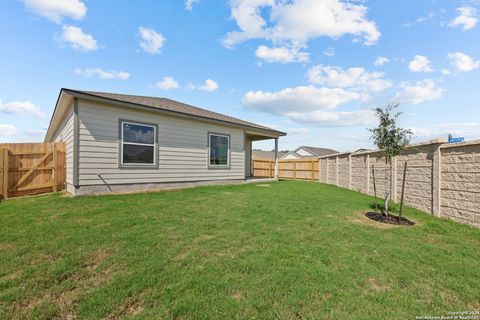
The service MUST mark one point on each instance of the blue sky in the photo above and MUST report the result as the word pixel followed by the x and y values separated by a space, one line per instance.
pixel 312 68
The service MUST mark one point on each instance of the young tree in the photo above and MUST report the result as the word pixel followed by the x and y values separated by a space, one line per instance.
pixel 389 138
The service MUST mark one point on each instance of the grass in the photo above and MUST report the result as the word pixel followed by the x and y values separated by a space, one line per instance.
pixel 285 250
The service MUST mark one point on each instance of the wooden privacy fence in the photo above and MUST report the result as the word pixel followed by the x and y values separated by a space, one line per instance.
pixel 305 169
pixel 31 168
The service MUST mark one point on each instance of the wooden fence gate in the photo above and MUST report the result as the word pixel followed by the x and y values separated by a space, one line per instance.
pixel 303 169
pixel 31 168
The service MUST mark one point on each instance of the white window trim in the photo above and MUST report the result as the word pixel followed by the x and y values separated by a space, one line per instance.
pixel 154 145
pixel 210 165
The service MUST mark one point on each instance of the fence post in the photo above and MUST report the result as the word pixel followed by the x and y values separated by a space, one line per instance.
pixel 437 181
pixel 327 170
pixel 5 173
pixel 294 170
pixel 313 161
pixel 54 167
pixel 350 171
pixel 319 177
pixel 367 160
pixel 336 171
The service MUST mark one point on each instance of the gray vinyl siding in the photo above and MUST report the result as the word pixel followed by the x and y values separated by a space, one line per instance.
pixel 182 148
pixel 66 134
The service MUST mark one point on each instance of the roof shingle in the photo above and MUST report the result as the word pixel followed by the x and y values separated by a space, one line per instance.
pixel 173 106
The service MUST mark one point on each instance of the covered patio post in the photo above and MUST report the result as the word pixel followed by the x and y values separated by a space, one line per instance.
pixel 276 158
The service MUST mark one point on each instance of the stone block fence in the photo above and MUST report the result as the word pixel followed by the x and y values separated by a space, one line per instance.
pixel 442 179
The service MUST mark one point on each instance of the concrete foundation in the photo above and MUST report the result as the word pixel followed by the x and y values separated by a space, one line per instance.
pixel 142 187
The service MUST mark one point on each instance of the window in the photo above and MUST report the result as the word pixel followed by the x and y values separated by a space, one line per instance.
pixel 138 144
pixel 219 146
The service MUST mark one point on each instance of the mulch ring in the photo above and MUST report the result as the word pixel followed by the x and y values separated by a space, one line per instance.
pixel 377 216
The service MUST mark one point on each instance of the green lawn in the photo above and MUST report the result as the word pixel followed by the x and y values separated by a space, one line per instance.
pixel 285 250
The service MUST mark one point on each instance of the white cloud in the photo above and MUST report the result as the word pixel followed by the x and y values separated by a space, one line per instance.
pixel 354 78
pixel 57 10
pixel 294 23
pixel 302 98
pixel 462 62
pixel 381 61
pixel 308 104
pixel 167 83
pixel 36 133
pixel 8 131
pixel 21 108
pixel 189 4
pixel 467 18
pixel 329 52
pixel 102 74
pixel 445 71
pixel 297 131
pixel 281 54
pixel 152 41
pixel 421 91
pixel 420 64
pixel 421 19
pixel 335 118
pixel 209 86
pixel 78 39
pixel 316 104
pixel 469 130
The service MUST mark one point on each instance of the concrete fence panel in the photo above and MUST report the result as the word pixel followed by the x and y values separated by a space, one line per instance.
pixel 442 179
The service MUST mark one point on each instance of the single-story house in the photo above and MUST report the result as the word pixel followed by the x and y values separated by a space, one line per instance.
pixel 307 152
pixel 120 143
pixel 266 155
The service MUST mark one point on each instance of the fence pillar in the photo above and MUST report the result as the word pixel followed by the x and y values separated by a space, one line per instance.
pixel 437 181
pixel 319 170
pixel 336 170
pixel 350 171
pixel 367 162
pixel 327 171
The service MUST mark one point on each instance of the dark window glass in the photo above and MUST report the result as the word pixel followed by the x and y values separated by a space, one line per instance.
pixel 138 134
pixel 133 153
pixel 219 147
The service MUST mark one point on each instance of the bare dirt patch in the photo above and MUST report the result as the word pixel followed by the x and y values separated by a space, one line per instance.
pixel 4 246
pixel 237 296
pixel 375 285
pixel 45 257
pixel 10 276
pixel 131 307
pixel 264 185
pixel 97 258
pixel 360 218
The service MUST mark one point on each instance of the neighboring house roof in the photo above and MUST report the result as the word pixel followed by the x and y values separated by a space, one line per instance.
pixel 314 152
pixel 317 151
pixel 362 150
pixel 293 154
pixel 266 155
pixel 163 104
